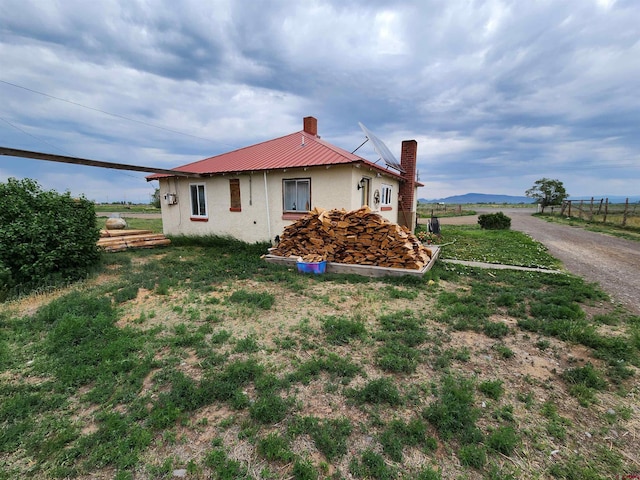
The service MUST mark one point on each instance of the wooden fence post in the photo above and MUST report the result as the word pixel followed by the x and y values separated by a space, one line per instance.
pixel 581 205
pixel 626 212
pixel 606 210
pixel 591 210
pixel 600 206
pixel 570 201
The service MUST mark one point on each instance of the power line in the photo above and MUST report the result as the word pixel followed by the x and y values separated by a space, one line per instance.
pixel 48 143
pixel 14 152
pixel 33 136
pixel 116 115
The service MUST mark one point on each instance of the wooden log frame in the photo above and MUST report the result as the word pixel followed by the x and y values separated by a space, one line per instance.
pixel 358 237
pixel 119 240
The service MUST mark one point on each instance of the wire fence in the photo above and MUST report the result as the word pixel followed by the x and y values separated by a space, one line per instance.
pixel 602 211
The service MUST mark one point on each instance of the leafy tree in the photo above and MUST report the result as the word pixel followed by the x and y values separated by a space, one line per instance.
pixel 155 198
pixel 547 192
pixel 46 238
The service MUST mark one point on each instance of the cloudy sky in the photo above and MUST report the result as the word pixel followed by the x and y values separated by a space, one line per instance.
pixel 498 93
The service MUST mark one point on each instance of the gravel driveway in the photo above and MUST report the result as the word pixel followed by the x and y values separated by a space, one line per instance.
pixel 612 262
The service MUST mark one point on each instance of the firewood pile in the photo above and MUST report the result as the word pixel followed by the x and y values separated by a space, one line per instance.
pixel 359 237
pixel 119 240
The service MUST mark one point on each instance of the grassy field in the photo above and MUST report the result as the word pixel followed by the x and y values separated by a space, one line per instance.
pixel 124 209
pixel 153 224
pixel 201 360
pixel 425 210
pixel 470 242
pixel 613 227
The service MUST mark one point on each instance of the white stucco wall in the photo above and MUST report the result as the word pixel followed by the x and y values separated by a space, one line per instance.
pixel 261 216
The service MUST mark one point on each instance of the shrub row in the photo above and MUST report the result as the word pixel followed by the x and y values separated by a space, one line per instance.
pixel 46 238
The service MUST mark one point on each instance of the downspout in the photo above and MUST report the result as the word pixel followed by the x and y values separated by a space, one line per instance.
pixel 266 196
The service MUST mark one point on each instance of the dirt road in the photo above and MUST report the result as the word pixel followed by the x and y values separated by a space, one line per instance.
pixel 613 263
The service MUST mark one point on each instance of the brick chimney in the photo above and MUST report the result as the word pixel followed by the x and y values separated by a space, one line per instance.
pixel 407 191
pixel 310 126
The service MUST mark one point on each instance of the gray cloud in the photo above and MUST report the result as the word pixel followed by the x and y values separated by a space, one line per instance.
pixel 498 93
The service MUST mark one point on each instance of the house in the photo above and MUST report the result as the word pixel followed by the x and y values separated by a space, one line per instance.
pixel 252 193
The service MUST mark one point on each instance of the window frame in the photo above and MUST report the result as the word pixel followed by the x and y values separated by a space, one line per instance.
pixel 197 215
pixel 297 180
pixel 386 197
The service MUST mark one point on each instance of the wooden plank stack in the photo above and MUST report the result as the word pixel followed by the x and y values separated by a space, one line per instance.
pixel 359 237
pixel 119 240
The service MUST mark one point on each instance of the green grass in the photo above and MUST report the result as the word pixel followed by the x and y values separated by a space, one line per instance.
pixel 613 226
pixel 371 465
pixel 425 210
pixel 340 330
pixel 275 447
pixel 493 389
pixel 153 224
pixel 399 434
pixel 453 413
pixel 261 300
pixel 330 436
pixel 313 377
pixel 123 209
pixel 379 391
pixel 507 247
pixel 504 440
pixel 474 456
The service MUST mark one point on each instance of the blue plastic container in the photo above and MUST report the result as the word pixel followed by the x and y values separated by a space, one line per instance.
pixel 312 267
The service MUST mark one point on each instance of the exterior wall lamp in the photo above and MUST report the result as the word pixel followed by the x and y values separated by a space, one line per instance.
pixel 361 183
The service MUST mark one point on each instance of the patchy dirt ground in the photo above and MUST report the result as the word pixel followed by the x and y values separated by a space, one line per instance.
pixel 532 374
pixel 611 262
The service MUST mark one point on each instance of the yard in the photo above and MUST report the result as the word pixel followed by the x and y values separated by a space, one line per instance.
pixel 202 361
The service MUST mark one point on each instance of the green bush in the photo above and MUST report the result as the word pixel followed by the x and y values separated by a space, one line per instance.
pixel 47 238
pixel 494 221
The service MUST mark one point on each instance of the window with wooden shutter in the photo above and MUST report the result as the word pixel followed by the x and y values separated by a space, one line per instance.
pixel 234 191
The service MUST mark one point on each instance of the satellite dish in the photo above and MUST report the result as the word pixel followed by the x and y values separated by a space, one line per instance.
pixel 382 150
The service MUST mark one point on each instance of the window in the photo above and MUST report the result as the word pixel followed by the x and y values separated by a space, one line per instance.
pixel 365 186
pixel 385 198
pixel 297 195
pixel 198 201
pixel 234 191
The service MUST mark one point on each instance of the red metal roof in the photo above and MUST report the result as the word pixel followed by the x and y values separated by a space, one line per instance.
pixel 299 149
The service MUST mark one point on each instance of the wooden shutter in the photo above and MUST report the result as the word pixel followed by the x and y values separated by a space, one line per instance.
pixel 234 191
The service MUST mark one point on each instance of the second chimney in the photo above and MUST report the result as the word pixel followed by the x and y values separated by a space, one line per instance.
pixel 407 204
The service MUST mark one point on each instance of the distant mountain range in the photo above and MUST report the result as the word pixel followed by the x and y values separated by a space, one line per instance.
pixel 490 198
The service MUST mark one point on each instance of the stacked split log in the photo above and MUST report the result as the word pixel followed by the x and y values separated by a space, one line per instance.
pixel 359 237
pixel 119 240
